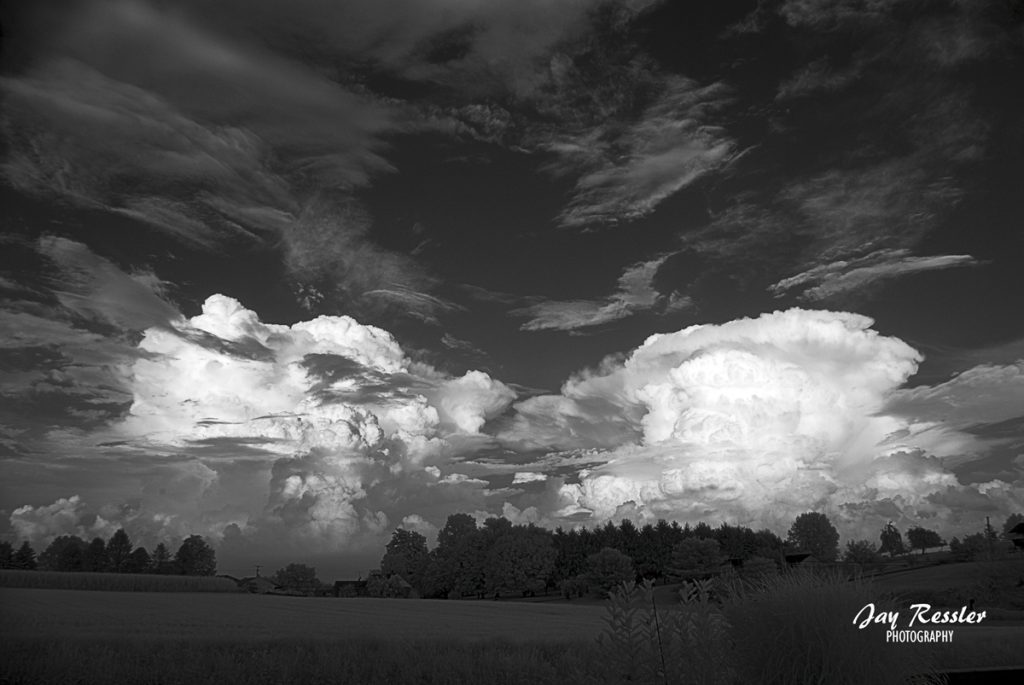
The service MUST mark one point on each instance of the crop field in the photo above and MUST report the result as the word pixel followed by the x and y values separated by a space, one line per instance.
pixel 67 614
pixel 100 637
pixel 117 582
pixel 142 637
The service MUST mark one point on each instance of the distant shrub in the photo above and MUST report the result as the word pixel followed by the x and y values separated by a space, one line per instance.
pixel 115 582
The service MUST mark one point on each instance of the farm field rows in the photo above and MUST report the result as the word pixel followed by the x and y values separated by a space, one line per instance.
pixel 69 614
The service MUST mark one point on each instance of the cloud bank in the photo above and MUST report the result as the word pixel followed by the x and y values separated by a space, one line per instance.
pixel 324 435
pixel 755 421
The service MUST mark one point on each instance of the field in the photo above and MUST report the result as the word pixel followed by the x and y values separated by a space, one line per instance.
pixel 68 614
pixel 140 637
pixel 55 635
pixel 991 584
pixel 118 582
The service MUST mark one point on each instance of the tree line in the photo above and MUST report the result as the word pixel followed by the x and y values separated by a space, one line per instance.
pixel 502 559
pixel 498 558
pixel 70 553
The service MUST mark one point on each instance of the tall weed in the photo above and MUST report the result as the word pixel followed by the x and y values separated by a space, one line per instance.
pixel 798 628
pixel 683 643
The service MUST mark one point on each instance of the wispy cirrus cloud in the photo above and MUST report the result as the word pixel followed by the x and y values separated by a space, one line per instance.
pixel 636 293
pixel 841 277
pixel 627 168
pixel 210 138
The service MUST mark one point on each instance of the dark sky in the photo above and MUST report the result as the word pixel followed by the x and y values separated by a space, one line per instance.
pixel 292 274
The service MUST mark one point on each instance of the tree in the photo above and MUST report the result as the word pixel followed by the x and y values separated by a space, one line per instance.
pixel 139 561
pixel 406 555
pixel 161 560
pixel 972 547
pixel 892 540
pixel 195 557
pixel 695 557
pixel 118 550
pixel 456 565
pixel 6 554
pixel 813 532
pixel 923 538
pixel 297 577
pixel 860 552
pixel 65 553
pixel 24 558
pixel 94 558
pixel 520 560
pixel 457 530
pixel 608 569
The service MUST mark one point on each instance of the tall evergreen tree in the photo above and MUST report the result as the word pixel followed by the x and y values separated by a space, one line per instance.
pixel 25 557
pixel 118 550
pixel 161 560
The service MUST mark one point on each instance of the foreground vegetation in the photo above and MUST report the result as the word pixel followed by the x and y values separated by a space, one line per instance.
pixel 781 628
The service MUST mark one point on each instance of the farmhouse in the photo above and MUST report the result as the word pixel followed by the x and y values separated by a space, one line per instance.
pixel 801 559
pixel 1016 535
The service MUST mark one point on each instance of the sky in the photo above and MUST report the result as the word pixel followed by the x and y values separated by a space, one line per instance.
pixel 291 275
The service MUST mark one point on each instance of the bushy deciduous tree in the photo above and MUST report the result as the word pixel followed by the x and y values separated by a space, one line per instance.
pixel 972 547
pixel 455 568
pixel 65 553
pixel 923 538
pixel 608 569
pixel 695 557
pixel 139 561
pixel 406 556
pixel 94 558
pixel 6 554
pixel 813 532
pixel 519 561
pixel 195 557
pixel 297 577
pixel 860 552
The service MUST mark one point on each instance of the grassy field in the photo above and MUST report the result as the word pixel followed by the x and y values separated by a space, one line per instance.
pixel 992 584
pixel 50 636
pixel 117 582
pixel 69 614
